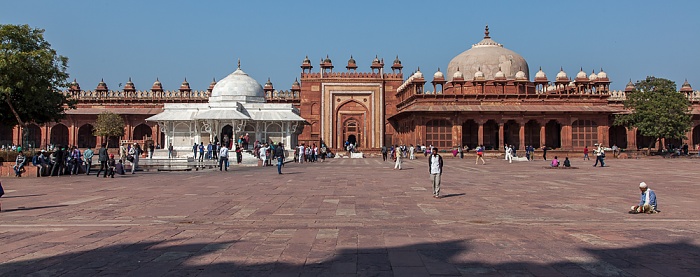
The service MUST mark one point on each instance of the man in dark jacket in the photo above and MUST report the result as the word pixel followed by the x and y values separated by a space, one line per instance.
pixel 435 168
pixel 279 154
pixel 59 161
pixel 102 158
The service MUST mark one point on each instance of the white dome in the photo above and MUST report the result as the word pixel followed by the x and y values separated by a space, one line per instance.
pixel 458 74
pixel 593 76
pixel 602 74
pixel 581 75
pixel 438 75
pixel 499 74
pixel 478 74
pixel 491 57
pixel 418 75
pixel 237 86
pixel 540 74
pixel 561 75
pixel 520 75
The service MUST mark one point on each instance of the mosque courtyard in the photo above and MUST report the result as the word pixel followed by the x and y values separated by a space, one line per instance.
pixel 358 217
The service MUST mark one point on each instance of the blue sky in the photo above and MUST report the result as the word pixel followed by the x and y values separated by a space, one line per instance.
pixel 201 40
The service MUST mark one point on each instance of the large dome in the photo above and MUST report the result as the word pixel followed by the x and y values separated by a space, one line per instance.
pixel 237 86
pixel 489 57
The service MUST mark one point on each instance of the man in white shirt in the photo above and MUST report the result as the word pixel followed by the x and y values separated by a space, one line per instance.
pixel 435 167
pixel 223 157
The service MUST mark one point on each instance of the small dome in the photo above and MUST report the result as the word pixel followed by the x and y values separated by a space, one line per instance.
pixel 418 74
pixel 602 74
pixel 351 60
pixel 237 86
pixel 540 74
pixel 306 60
pixel 686 87
pixel 499 75
pixel 561 74
pixel 157 83
pixel 581 75
pixel 376 59
pixel 296 83
pixel 185 83
pixel 268 84
pixel 397 61
pixel 478 74
pixel 438 75
pixel 593 76
pixel 458 74
pixel 327 60
pixel 520 75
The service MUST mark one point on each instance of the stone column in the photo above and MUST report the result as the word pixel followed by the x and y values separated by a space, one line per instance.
pixel 456 132
pixel 631 138
pixel 543 134
pixel 522 136
pixel 480 133
pixel 500 135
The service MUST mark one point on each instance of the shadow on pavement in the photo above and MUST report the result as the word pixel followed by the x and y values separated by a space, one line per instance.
pixel 28 195
pixel 32 208
pixel 452 195
pixel 168 258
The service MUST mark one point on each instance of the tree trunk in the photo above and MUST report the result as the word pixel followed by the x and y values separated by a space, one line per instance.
pixel 651 144
pixel 21 123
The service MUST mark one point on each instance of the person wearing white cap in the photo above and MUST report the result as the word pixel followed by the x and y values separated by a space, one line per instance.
pixel 647 203
pixel 600 155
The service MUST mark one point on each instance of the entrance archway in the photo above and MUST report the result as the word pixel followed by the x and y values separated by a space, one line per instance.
pixel 86 137
pixel 532 133
pixel 351 131
pixel 142 132
pixel 511 133
pixel 227 138
pixel 470 134
pixel 59 135
pixel 491 135
pixel 618 136
pixel 552 131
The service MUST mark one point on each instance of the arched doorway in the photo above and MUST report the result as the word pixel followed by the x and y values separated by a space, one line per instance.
pixel 470 134
pixel 34 135
pixel 618 136
pixel 142 132
pixel 532 133
pixel 491 135
pixel 273 133
pixel 227 138
pixel 552 134
pixel 351 131
pixel 181 136
pixel 59 135
pixel 644 141
pixel 511 133
pixel 86 137
pixel 5 134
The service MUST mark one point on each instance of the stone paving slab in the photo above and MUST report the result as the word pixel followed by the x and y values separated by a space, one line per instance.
pixel 357 217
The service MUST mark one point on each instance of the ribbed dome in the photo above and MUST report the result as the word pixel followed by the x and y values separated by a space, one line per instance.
pixel 490 56
pixel 593 76
pixel 237 86
pixel 581 74
pixel 602 74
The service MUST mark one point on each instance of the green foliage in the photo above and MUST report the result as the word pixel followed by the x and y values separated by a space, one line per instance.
pixel 31 76
pixel 657 109
pixel 109 125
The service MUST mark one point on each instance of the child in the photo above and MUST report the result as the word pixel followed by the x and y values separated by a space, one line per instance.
pixel 555 162
pixel 111 164
pixel 567 163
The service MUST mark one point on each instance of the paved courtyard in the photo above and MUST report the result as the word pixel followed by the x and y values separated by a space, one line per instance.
pixel 357 217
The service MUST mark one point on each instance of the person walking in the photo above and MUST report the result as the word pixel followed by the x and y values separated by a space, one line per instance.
pixel 134 152
pixel 544 152
pixel 88 159
pixel 585 153
pixel 279 154
pixel 509 153
pixel 122 153
pixel 435 168
pixel 151 150
pixel 384 153
pixel 411 152
pixel 599 155
pixel 223 157
pixel 201 151
pixel 170 151
pixel 480 155
pixel 397 157
pixel 102 158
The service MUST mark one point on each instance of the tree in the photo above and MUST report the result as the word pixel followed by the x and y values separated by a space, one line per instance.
pixel 31 75
pixel 109 125
pixel 657 110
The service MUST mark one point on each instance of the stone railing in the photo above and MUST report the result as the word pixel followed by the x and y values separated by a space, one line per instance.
pixel 147 95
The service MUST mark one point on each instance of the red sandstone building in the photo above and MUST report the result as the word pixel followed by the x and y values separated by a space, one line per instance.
pixel 486 98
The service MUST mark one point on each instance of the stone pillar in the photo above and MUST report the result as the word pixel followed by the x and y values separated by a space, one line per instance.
pixel 521 136
pixel 480 133
pixel 566 137
pixel 456 134
pixel 500 135
pixel 604 133
pixel 72 133
pixel 543 138
pixel 631 138
pixel 17 135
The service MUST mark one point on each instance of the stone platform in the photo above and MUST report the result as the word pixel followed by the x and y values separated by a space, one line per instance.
pixel 357 217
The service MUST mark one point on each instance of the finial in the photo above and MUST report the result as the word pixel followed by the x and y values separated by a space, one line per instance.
pixel 582 68
pixel 419 68
pixel 185 79
pixel 157 79
pixel 601 69
pixel 561 68
pixel 239 63
pixel 486 32
pixel 540 68
pixel 438 69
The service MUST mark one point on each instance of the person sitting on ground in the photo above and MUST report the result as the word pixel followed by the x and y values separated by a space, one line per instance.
pixel 567 163
pixel 647 203
pixel 555 162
